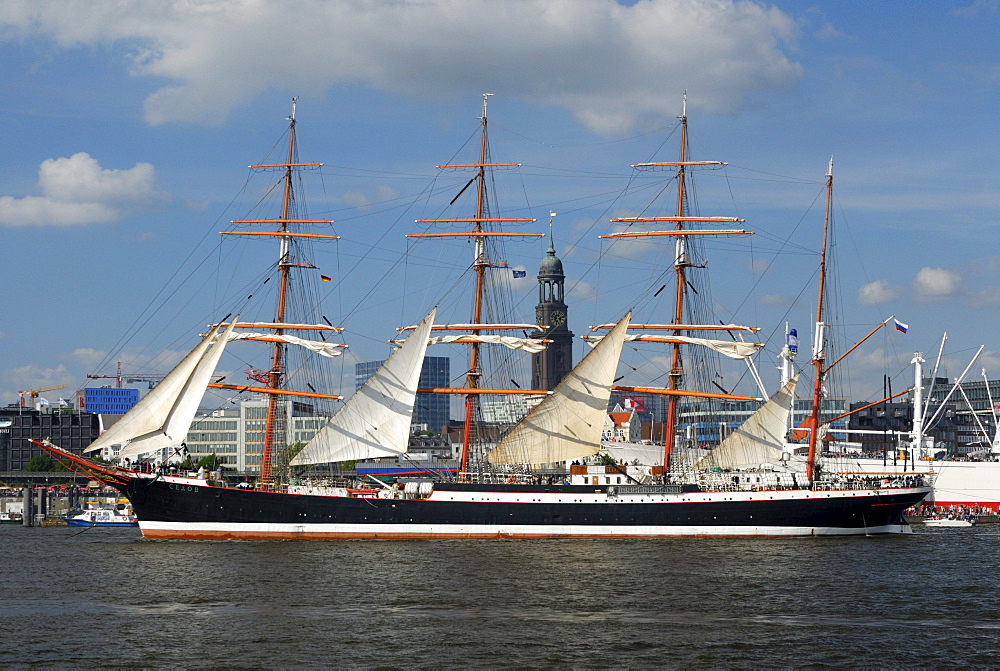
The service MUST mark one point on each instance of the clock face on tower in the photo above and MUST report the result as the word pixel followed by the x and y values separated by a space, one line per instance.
pixel 557 319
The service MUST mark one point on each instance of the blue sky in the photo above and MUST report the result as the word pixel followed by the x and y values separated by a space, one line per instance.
pixel 128 128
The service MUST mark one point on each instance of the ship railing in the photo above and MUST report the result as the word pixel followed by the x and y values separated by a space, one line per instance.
pixel 873 482
pixel 497 478
pixel 751 481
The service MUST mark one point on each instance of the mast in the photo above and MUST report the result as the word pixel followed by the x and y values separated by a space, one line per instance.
pixel 275 377
pixel 917 439
pixel 682 262
pixel 481 263
pixel 680 268
pixel 276 374
pixel 819 337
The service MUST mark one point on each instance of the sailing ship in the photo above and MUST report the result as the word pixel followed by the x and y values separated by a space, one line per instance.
pixel 495 494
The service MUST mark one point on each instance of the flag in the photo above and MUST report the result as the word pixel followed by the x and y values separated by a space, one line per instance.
pixel 900 326
pixel 63 403
pixel 43 401
pixel 792 341
pixel 634 403
pixel 520 273
pixel 325 278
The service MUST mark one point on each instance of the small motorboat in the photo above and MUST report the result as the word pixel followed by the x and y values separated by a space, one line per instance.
pixel 103 515
pixel 947 522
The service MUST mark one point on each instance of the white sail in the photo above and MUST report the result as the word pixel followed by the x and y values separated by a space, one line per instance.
pixel 375 421
pixel 759 440
pixel 164 415
pixel 322 348
pixel 530 345
pixel 568 423
pixel 734 349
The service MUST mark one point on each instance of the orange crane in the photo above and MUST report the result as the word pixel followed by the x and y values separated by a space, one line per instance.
pixel 32 394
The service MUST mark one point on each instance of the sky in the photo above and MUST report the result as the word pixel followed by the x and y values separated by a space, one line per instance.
pixel 128 128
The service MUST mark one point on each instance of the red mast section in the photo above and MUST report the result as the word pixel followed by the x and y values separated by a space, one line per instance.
pixel 681 263
pixel 480 264
pixel 275 376
pixel 819 337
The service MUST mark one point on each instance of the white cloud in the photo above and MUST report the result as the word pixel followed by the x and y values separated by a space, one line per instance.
pixel 778 299
pixel 32 376
pixel 77 191
pixel 984 298
pixel 878 292
pixel 935 284
pixel 86 356
pixel 874 358
pixel 375 195
pixel 612 65
pixel 580 291
pixel 989 360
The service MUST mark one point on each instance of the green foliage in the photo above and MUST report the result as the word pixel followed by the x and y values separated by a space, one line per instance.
pixel 40 463
pixel 211 462
pixel 283 459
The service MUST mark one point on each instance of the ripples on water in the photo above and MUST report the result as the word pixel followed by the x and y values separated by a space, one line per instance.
pixel 105 597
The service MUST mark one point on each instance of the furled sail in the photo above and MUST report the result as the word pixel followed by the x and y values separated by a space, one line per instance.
pixel 530 345
pixel 375 421
pixel 322 348
pixel 733 349
pixel 163 417
pixel 568 423
pixel 760 439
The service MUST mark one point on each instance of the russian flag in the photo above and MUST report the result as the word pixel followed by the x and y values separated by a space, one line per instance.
pixel 900 326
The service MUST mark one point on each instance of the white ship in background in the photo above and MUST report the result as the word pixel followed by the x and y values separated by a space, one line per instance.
pixel 957 481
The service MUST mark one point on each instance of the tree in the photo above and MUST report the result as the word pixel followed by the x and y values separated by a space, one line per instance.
pixel 210 462
pixel 43 463
pixel 283 459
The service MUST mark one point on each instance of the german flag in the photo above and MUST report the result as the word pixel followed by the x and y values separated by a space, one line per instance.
pixel 325 278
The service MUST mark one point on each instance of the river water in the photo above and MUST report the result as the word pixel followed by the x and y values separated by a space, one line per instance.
pixel 108 598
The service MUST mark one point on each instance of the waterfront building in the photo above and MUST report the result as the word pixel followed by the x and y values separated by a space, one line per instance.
pixel 236 435
pixel 621 426
pixel 69 429
pixel 431 410
pixel 705 422
pixel 964 427
pixel 108 400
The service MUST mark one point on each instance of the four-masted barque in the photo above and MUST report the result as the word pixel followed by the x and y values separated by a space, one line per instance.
pixel 495 497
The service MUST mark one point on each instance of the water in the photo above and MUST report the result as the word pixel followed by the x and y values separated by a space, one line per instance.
pixel 105 597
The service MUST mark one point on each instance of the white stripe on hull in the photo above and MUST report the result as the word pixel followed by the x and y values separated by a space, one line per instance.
pixel 222 531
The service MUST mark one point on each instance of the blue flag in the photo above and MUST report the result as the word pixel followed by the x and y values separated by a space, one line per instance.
pixel 792 341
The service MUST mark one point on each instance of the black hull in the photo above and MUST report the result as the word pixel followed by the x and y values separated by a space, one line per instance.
pixel 194 509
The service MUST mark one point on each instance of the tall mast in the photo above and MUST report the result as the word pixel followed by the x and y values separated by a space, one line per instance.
pixel 681 263
pixel 680 267
pixel 275 377
pixel 284 263
pixel 479 265
pixel 819 337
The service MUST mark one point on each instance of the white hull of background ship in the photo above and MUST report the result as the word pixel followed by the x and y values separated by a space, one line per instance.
pixel 498 499
pixel 972 483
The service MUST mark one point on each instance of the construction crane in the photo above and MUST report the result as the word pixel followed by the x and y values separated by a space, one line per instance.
pixel 128 377
pixel 32 394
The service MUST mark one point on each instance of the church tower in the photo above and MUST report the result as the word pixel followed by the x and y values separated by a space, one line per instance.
pixel 550 366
